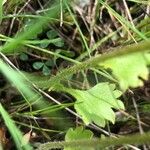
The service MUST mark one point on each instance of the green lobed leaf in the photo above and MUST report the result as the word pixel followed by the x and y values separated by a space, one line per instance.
pixel 59 43
pixel 24 57
pixel 44 45
pixel 51 34
pixel 46 71
pixel 49 63
pixel 38 65
pixel 129 69
pixel 95 105
pixel 78 134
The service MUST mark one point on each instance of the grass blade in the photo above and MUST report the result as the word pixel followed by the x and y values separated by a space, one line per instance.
pixel 16 134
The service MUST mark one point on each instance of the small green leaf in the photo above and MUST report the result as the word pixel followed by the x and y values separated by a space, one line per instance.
pixel 49 63
pixel 44 45
pixel 46 70
pixel 95 105
pixel 59 43
pixel 38 65
pixel 52 34
pixel 77 134
pixel 24 57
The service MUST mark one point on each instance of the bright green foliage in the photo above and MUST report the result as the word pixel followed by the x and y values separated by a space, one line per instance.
pixel 127 69
pixel 95 105
pixel 78 134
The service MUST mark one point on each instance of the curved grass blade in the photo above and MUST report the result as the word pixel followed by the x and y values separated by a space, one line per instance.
pixel 15 132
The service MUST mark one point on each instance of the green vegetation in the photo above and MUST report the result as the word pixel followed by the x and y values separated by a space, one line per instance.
pixel 74 74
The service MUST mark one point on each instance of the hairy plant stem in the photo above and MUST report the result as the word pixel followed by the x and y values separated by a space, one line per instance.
pixel 96 143
pixel 95 61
